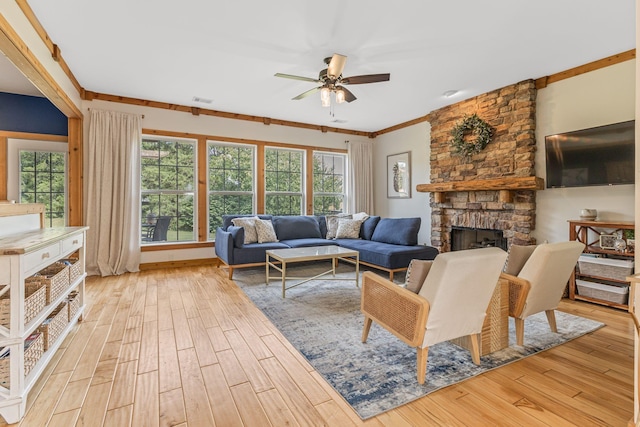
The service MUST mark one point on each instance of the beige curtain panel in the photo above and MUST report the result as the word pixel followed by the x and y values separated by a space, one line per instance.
pixel 113 193
pixel 361 177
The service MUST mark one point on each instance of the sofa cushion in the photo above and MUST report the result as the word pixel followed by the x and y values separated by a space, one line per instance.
pixel 303 243
pixel 348 228
pixel 265 231
pixel 322 222
pixel 368 227
pixel 255 252
pixel 398 231
pixel 388 255
pixel 237 234
pixel 248 223
pixel 296 227
pixel 226 219
pixel 332 224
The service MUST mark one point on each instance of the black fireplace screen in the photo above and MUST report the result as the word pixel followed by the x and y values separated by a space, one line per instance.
pixel 474 238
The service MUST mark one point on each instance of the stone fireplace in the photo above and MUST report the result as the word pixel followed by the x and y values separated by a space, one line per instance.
pixel 493 190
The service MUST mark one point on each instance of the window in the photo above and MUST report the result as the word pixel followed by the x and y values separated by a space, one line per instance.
pixel 284 183
pixel 328 183
pixel 43 179
pixel 231 181
pixel 167 190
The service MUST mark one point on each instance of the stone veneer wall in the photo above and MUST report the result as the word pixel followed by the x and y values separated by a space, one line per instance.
pixel 511 152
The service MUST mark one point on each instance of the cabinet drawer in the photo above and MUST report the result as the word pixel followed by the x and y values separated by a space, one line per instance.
pixel 72 243
pixel 39 259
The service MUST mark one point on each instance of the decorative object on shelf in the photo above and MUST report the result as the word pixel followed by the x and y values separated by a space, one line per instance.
pixel 474 125
pixel 608 241
pixel 399 176
pixel 588 214
pixel 620 244
pixel 631 245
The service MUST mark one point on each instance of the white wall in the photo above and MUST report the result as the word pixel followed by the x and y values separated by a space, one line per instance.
pixel 597 98
pixel 417 140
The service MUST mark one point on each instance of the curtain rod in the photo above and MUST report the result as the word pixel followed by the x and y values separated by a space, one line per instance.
pixel 89 109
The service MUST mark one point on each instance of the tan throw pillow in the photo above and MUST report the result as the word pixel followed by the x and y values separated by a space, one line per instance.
pixel 360 215
pixel 332 224
pixel 348 228
pixel 265 231
pixel 517 258
pixel 248 223
pixel 416 274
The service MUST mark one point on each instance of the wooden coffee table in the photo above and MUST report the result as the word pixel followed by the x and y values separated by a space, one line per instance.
pixel 311 253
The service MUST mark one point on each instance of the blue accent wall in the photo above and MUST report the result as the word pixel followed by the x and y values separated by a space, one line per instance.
pixel 22 113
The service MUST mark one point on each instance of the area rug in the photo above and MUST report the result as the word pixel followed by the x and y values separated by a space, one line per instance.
pixel 322 319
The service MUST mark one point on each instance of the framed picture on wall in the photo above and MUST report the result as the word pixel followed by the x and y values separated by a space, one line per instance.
pixel 399 176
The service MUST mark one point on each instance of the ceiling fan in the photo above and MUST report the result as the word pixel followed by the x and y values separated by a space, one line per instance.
pixel 331 80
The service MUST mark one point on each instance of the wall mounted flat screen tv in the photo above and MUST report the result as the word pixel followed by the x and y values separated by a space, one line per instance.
pixel 603 155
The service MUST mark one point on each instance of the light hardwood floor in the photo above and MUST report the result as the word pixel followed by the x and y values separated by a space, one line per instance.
pixel 185 347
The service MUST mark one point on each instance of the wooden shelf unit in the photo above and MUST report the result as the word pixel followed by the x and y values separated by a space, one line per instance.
pixel 581 230
pixel 25 249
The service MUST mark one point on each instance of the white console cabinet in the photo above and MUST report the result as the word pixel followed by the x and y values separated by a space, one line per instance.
pixel 25 249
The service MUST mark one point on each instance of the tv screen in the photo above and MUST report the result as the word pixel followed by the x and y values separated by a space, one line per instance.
pixel 598 156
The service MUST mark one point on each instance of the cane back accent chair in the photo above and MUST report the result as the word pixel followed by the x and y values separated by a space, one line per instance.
pixel 451 303
pixel 541 282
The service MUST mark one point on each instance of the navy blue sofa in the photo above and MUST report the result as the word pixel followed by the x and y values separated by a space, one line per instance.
pixel 387 244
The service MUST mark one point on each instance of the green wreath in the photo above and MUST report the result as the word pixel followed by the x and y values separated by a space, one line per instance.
pixel 481 130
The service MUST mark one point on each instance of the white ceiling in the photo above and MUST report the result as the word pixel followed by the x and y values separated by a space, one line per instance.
pixel 229 51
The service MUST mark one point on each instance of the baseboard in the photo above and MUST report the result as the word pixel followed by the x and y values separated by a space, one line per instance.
pixel 181 263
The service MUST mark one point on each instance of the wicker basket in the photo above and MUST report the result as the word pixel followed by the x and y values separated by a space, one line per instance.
pixel 75 269
pixel 73 304
pixel 33 350
pixel 35 298
pixel 603 291
pixel 55 277
pixel 53 326
pixel 609 268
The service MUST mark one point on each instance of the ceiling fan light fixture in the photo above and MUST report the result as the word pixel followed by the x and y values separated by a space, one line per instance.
pixel 340 97
pixel 325 96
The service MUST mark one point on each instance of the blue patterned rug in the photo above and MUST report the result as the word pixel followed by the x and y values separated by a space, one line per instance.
pixel 322 319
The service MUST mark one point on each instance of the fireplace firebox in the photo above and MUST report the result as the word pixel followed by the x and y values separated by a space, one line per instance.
pixel 474 238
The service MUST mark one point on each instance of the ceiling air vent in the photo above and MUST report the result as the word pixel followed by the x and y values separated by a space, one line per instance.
pixel 203 100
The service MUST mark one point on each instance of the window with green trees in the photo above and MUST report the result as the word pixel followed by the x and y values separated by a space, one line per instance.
pixel 328 183
pixel 284 181
pixel 43 179
pixel 231 181
pixel 168 184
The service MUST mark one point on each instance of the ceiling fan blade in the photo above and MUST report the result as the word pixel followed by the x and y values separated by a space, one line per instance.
pixel 348 96
pixel 336 65
pixel 307 93
pixel 304 79
pixel 368 78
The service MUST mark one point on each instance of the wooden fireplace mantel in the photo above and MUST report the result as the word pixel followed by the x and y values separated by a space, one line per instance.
pixel 504 185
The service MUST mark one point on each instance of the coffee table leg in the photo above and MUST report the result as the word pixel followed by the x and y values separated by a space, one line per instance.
pixel 357 270
pixel 266 266
pixel 284 276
